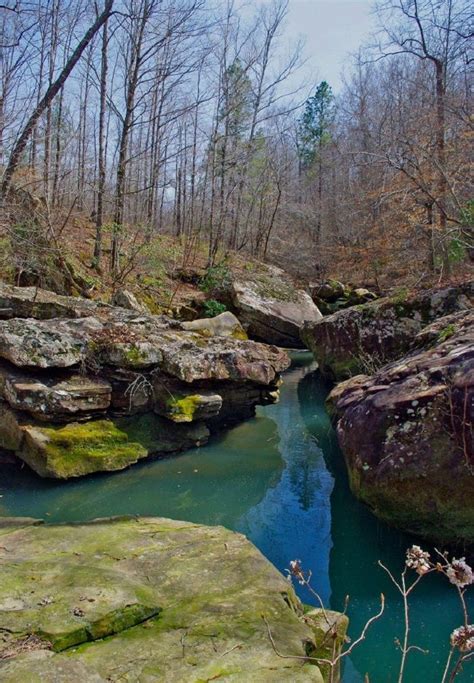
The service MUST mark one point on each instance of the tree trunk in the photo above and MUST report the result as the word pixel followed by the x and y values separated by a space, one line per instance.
pixel 49 96
pixel 99 219
pixel 441 158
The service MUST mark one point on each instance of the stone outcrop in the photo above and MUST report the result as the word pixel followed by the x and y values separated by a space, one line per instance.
pixel 332 296
pixel 223 325
pixel 407 434
pixel 150 599
pixel 73 370
pixel 33 302
pixel 272 309
pixel 362 338
pixel 126 299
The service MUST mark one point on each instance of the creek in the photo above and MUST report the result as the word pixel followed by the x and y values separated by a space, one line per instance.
pixel 279 478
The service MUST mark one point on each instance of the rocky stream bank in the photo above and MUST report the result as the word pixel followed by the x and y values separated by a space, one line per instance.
pixel 405 425
pixel 87 387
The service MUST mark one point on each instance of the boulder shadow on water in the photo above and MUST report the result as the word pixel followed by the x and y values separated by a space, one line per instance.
pixel 358 541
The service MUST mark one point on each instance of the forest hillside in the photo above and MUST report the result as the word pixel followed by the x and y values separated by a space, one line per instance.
pixel 139 130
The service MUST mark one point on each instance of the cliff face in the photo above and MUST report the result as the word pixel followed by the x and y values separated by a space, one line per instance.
pixel 406 432
pixel 364 337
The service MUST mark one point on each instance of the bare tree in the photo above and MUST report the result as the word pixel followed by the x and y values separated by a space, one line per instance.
pixel 439 33
pixel 49 96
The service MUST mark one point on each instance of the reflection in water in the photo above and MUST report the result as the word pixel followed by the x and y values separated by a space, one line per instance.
pixel 211 485
pixel 359 541
pixel 293 521
pixel 280 479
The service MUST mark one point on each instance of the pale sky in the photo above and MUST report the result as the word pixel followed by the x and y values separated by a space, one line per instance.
pixel 332 29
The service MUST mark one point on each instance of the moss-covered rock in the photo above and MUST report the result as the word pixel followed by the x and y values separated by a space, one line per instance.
pixel 79 448
pixel 272 309
pixel 189 407
pixel 147 599
pixel 330 630
pixel 95 361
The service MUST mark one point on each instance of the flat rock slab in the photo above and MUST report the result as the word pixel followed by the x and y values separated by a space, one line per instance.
pixel 33 302
pixel 145 600
pixel 60 398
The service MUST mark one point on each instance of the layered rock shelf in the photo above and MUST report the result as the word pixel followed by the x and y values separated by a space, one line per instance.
pixel 87 387
pixel 149 599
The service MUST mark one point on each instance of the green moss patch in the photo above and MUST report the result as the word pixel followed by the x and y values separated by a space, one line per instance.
pixel 183 409
pixel 90 590
pixel 79 448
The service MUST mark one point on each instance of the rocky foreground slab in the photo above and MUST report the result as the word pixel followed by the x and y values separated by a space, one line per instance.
pixel 147 599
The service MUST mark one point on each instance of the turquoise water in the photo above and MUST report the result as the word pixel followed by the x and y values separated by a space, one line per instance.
pixel 278 478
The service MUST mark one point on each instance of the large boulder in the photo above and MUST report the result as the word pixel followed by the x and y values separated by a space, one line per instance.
pixel 58 372
pixel 223 325
pixel 272 309
pixel 362 338
pixel 149 599
pixel 407 434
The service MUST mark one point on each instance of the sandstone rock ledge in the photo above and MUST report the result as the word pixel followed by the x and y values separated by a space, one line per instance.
pixel 147 599
pixel 86 387
pixel 272 309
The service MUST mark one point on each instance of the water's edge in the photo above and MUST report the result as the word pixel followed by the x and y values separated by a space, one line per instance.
pixel 280 479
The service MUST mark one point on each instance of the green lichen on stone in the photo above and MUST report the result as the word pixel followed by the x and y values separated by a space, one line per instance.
pixel 113 622
pixel 94 590
pixel 134 356
pixel 446 332
pixel 183 409
pixel 80 447
pixel 239 333
pixel 330 630
pixel 340 367
pixel 400 296
pixel 270 287
pixel 152 305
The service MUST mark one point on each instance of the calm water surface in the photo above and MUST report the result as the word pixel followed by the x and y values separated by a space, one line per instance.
pixel 279 479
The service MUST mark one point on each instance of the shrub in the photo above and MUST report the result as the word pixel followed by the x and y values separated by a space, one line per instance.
pixel 216 278
pixel 211 308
